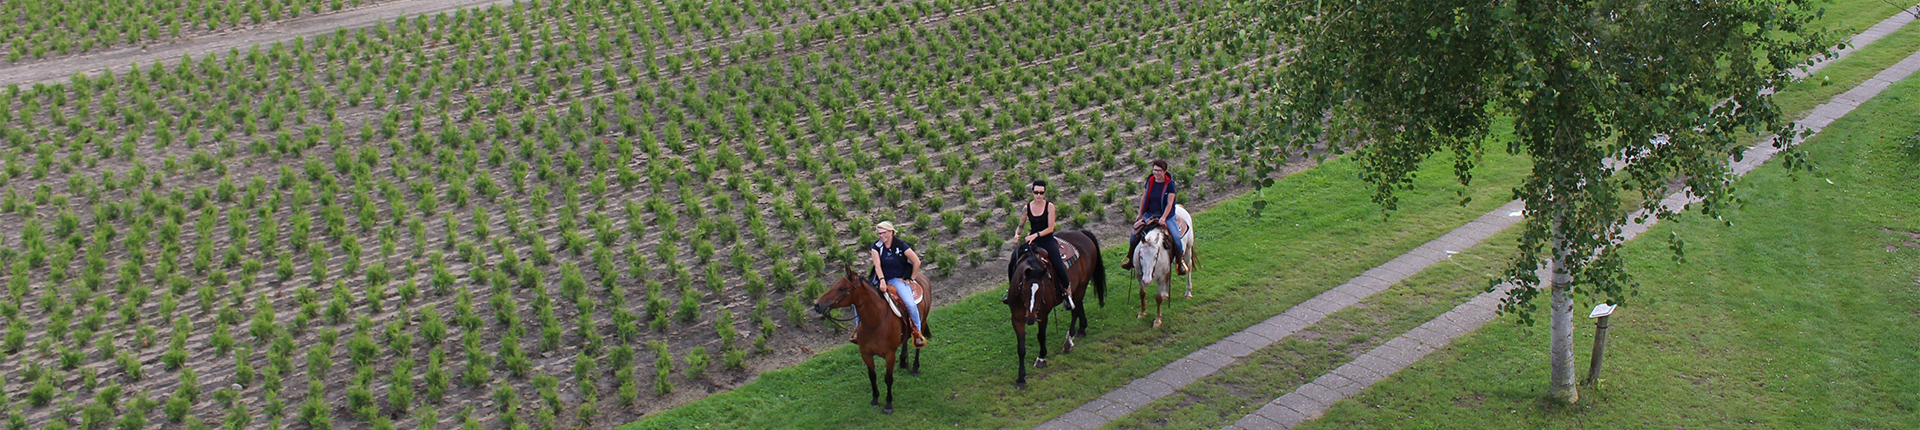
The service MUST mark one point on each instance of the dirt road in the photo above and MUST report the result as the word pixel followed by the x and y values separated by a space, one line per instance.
pixel 119 59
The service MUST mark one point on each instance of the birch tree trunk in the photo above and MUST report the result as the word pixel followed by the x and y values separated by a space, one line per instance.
pixel 1560 386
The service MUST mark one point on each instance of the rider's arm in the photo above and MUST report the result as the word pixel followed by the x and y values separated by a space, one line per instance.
pixel 876 266
pixel 1168 212
pixel 913 257
pixel 1050 223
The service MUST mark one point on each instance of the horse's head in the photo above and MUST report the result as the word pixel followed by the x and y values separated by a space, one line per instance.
pixel 1151 256
pixel 1027 277
pixel 840 294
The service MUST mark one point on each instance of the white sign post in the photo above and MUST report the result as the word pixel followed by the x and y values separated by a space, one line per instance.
pixel 1599 341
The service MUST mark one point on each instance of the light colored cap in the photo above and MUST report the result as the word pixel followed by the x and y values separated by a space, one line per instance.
pixel 886 225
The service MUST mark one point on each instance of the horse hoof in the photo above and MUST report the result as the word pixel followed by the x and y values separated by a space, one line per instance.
pixel 1020 385
pixel 1040 363
pixel 1189 295
pixel 1156 323
pixel 1142 315
pixel 873 403
pixel 1067 349
pixel 887 410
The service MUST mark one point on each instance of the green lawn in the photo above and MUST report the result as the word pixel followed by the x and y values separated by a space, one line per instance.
pixel 1320 230
pixel 1804 313
pixel 1863 63
pixel 1243 387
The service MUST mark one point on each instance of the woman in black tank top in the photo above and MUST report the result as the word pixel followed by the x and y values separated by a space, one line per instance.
pixel 1041 226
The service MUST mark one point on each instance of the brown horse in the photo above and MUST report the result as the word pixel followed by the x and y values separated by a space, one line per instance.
pixel 880 332
pixel 1032 293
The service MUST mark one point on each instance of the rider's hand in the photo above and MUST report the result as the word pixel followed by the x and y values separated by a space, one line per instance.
pixel 1029 238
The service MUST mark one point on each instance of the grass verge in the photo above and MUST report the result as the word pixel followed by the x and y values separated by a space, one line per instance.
pixel 1857 67
pixel 1797 316
pixel 1244 386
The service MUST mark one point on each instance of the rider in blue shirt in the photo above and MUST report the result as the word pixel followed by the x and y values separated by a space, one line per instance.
pixel 895 262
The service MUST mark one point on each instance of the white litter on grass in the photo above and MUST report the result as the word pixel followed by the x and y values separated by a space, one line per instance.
pixel 1516 213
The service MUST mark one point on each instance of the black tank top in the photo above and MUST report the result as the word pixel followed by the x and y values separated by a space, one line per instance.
pixel 1037 223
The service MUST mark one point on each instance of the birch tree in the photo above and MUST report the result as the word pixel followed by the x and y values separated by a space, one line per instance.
pixel 1616 103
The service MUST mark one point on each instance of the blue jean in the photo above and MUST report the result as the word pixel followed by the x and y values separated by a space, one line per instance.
pixel 906 293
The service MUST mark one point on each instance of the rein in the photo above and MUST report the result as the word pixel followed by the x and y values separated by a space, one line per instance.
pixel 835 321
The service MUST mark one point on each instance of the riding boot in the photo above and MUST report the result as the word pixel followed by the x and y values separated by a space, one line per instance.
pixel 919 341
pixel 1128 264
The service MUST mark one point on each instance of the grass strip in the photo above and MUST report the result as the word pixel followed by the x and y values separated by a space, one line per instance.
pixel 1797 316
pixel 1244 386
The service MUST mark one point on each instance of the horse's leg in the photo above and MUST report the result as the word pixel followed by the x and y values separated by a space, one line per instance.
pixel 888 409
pixel 1040 362
pixel 1071 317
pixel 1189 273
pixel 1189 279
pixel 905 348
pixel 1081 316
pixel 1020 337
pixel 1159 303
pixel 872 380
pixel 923 332
pixel 1143 302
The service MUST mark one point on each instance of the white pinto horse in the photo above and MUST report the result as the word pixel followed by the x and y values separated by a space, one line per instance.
pixel 1153 263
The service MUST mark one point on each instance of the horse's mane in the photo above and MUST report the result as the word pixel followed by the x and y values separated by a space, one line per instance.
pixel 1024 253
pixel 1013 260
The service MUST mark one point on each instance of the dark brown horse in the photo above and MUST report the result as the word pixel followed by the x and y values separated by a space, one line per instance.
pixel 1032 293
pixel 880 332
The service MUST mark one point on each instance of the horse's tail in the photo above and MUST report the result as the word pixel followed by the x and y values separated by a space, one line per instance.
pixel 1099 270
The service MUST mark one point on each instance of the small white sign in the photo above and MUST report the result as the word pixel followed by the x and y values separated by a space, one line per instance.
pixel 1602 310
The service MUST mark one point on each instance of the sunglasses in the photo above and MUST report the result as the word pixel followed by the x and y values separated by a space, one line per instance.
pixel 1039 192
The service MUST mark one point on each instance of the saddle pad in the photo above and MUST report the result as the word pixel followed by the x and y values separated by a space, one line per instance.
pixel 1068 254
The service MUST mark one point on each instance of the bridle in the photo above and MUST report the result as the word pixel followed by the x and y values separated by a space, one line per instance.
pixel 844 294
pixel 1031 292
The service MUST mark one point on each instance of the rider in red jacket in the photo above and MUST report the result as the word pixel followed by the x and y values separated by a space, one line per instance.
pixel 1156 206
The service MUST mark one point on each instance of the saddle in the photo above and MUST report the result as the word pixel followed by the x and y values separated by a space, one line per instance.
pixel 898 303
pixel 1165 244
pixel 1068 254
